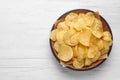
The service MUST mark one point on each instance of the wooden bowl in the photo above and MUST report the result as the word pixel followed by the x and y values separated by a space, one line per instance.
pixel 106 27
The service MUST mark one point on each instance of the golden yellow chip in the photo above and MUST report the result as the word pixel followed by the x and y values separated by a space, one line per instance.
pixel 97 28
pixel 106 47
pixel 80 53
pixel 75 51
pixel 67 37
pixel 65 52
pixel 60 34
pixel 53 35
pixel 84 37
pixel 56 46
pixel 107 36
pixel 62 26
pixel 69 19
pixel 96 57
pixel 78 64
pixel 74 38
pixel 89 19
pixel 79 23
pixel 92 51
pixel 100 44
pixel 88 62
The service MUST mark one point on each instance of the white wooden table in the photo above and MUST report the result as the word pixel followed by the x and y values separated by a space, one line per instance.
pixel 24 39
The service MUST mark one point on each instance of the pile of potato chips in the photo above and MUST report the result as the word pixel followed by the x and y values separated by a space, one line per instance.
pixel 80 39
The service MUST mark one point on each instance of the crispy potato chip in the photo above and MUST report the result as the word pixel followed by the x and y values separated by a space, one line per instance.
pixel 84 37
pixel 107 36
pixel 56 46
pixel 74 38
pixel 103 56
pixel 106 47
pixel 79 22
pixel 97 28
pixel 69 19
pixel 80 53
pixel 92 51
pixel 65 52
pixel 100 44
pixel 96 57
pixel 67 37
pixel 89 19
pixel 53 35
pixel 75 51
pixel 78 64
pixel 60 34
pixel 62 26
pixel 88 62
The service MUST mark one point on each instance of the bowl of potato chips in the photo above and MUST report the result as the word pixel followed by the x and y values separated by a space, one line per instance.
pixel 81 39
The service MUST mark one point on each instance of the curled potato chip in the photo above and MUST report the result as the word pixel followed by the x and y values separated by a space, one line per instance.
pixel 92 51
pixel 79 23
pixel 89 19
pixel 56 46
pixel 62 25
pixel 106 47
pixel 107 36
pixel 84 37
pixel 78 64
pixel 80 53
pixel 88 62
pixel 65 52
pixel 97 28
pixel 96 57
pixel 69 19
pixel 100 44
pixel 60 34
pixel 75 51
pixel 53 35
pixel 74 38
pixel 67 37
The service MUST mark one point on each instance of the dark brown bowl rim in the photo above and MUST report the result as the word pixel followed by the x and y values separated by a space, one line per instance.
pixel 50 41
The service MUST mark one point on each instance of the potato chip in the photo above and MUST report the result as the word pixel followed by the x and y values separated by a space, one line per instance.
pixel 106 47
pixel 96 57
pixel 60 34
pixel 56 46
pixel 78 64
pixel 107 36
pixel 75 51
pixel 80 53
pixel 67 37
pixel 97 28
pixel 84 37
pixel 100 44
pixel 69 19
pixel 92 51
pixel 62 26
pixel 81 20
pixel 65 52
pixel 103 56
pixel 53 35
pixel 89 19
pixel 74 38
pixel 79 23
pixel 88 62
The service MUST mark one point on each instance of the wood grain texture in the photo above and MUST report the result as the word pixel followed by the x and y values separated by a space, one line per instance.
pixel 24 39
